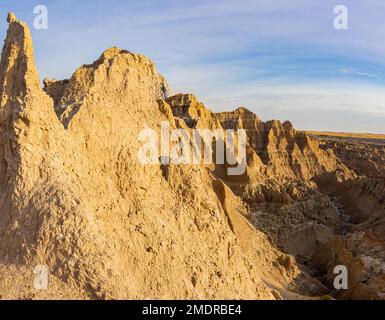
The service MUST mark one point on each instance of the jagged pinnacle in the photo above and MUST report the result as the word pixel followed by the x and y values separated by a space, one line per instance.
pixel 11 17
pixel 18 74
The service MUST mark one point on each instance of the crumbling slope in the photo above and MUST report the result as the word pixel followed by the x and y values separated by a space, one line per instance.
pixel 74 197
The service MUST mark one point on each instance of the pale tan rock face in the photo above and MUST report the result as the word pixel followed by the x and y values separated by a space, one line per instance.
pixel 274 149
pixel 284 152
pixel 75 198
pixel 340 221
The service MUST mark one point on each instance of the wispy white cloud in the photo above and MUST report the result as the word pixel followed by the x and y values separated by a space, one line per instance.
pixel 353 72
pixel 280 58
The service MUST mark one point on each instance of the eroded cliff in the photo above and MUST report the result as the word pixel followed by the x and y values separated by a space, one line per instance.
pixel 75 198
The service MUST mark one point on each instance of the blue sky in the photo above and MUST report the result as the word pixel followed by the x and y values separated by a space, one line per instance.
pixel 281 59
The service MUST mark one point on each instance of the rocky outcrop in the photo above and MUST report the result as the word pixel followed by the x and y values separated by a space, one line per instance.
pixel 364 156
pixel 75 199
pixel 277 188
pixel 309 200
pixel 274 149
pixel 284 152
pixel 363 255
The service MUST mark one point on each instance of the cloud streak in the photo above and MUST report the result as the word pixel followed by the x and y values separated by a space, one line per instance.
pixel 273 56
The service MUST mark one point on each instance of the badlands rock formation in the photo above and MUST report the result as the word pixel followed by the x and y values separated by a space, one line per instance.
pixel 75 199
pixel 361 202
pixel 364 156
